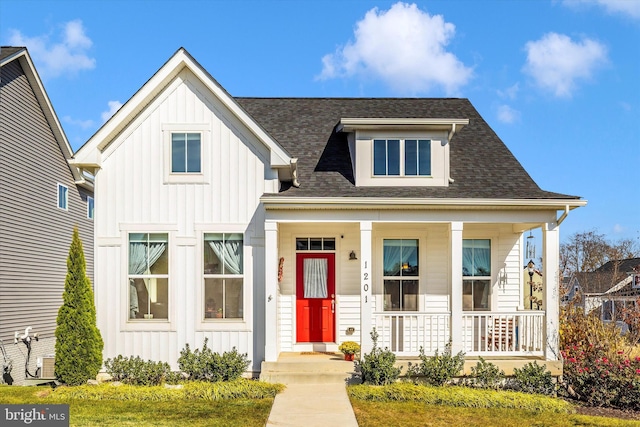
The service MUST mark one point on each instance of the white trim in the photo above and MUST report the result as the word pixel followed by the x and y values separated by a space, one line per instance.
pixel 351 124
pixel 66 197
pixel 202 177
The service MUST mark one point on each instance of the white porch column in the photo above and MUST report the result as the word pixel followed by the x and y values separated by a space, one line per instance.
pixel 456 287
pixel 551 272
pixel 272 346
pixel 366 304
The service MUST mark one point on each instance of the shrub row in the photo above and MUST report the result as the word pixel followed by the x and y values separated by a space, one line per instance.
pixel 198 365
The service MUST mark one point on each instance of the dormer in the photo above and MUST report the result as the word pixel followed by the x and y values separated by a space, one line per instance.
pixel 400 152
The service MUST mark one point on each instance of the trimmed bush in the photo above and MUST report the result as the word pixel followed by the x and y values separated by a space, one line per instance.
pixel 438 369
pixel 78 341
pixel 205 365
pixel 378 367
pixel 135 371
pixel 533 378
pixel 485 375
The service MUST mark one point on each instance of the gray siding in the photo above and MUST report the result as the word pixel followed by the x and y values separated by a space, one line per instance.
pixel 34 234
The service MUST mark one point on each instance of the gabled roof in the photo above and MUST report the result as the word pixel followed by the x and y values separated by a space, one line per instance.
pixel 88 154
pixel 482 167
pixel 11 53
pixel 613 274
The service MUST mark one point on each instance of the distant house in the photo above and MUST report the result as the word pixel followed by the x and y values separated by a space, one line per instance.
pixel 533 289
pixel 42 198
pixel 278 225
pixel 610 289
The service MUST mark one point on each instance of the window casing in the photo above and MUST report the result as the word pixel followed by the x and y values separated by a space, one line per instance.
pixel 63 197
pixel 476 274
pixel 90 207
pixel 402 157
pixel 400 274
pixel 223 276
pixel 148 276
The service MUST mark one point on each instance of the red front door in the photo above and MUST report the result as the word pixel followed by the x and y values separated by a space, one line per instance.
pixel 315 297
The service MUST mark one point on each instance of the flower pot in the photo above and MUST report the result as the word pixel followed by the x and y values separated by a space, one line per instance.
pixel 349 357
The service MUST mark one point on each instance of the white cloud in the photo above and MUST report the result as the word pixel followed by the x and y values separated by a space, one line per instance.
pixel 617 228
pixel 404 47
pixel 629 8
pixel 84 124
pixel 66 56
pixel 507 114
pixel 557 63
pixel 510 92
pixel 113 107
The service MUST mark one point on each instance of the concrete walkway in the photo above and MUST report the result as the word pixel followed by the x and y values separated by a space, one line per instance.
pixel 311 405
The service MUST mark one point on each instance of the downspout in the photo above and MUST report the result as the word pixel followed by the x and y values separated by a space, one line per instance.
pixel 563 216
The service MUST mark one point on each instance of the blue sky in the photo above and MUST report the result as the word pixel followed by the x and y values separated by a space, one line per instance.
pixel 557 80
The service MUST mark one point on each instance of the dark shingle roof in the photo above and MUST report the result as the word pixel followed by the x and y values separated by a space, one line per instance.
pixel 606 276
pixel 6 51
pixel 481 165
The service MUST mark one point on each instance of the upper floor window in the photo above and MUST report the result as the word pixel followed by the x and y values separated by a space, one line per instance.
pixel 148 275
pixel 476 272
pixel 186 153
pixel 90 207
pixel 401 157
pixel 223 275
pixel 400 274
pixel 63 197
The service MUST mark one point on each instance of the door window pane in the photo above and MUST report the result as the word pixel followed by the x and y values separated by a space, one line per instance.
pixel 315 277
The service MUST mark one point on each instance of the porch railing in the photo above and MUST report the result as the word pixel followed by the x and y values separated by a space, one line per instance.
pixel 504 333
pixel 405 332
pixel 519 333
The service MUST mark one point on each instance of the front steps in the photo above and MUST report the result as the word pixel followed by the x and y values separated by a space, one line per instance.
pixel 309 368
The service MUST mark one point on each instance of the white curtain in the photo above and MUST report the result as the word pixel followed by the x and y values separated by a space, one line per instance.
pixel 315 278
pixel 141 261
pixel 230 253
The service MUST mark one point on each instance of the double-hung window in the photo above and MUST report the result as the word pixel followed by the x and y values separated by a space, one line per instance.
pixel 223 275
pixel 476 272
pixel 186 152
pixel 400 274
pixel 401 157
pixel 63 197
pixel 148 276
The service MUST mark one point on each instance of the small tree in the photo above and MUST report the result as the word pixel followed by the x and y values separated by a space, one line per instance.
pixel 78 341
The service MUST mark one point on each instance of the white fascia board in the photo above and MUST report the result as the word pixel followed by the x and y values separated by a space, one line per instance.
pixel 44 101
pixel 352 124
pixel 407 203
pixel 181 59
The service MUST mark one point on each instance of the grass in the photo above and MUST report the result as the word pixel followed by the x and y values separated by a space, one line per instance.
pixel 408 405
pixel 199 405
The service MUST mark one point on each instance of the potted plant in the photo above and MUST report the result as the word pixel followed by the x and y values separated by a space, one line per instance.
pixel 219 313
pixel 349 349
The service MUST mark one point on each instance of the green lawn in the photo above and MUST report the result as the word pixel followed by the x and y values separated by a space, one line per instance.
pixel 178 412
pixel 417 414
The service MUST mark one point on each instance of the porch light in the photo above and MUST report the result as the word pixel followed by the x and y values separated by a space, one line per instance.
pixel 352 256
pixel 531 269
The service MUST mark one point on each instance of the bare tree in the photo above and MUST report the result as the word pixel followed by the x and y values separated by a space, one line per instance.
pixel 586 251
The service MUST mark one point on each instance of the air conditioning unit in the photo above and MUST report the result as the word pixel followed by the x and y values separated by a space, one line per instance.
pixel 47 366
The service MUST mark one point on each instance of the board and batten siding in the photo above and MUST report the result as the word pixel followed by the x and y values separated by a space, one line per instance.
pixel 134 197
pixel 34 233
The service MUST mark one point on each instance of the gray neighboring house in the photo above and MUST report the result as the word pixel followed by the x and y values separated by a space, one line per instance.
pixel 41 200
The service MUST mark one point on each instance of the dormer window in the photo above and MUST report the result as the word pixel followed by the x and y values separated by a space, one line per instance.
pixel 387 155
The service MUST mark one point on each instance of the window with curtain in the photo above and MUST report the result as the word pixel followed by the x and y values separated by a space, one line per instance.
pixel 400 274
pixel 148 276
pixel 223 275
pixel 185 153
pixel 476 274
pixel 401 157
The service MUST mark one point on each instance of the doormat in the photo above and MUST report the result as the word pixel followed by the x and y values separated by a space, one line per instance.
pixel 316 353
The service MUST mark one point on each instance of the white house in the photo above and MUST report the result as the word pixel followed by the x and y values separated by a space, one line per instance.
pixel 293 224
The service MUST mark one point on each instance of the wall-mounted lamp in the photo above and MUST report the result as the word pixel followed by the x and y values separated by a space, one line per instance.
pixel 352 256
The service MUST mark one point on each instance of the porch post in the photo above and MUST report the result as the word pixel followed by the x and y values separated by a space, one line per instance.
pixel 366 303
pixel 272 345
pixel 457 344
pixel 551 272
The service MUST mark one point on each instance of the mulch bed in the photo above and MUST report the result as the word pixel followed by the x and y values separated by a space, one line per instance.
pixel 607 412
